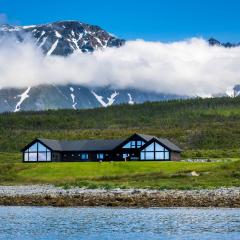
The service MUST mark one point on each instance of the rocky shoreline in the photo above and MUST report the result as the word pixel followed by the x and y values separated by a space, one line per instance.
pixel 48 195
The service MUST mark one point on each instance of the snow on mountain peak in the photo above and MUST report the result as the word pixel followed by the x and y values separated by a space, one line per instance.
pixel 64 37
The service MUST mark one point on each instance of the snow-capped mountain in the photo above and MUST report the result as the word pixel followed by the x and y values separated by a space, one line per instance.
pixel 62 39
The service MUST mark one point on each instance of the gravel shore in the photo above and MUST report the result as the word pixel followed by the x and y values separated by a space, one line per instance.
pixel 49 195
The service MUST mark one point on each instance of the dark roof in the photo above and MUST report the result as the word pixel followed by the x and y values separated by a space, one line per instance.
pixel 53 144
pixel 99 145
pixel 169 145
pixel 81 145
pixel 164 141
pixel 146 137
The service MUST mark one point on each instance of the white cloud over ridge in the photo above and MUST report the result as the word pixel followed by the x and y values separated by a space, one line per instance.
pixel 190 67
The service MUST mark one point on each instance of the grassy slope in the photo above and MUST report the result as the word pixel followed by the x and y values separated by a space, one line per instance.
pixel 157 175
pixel 203 127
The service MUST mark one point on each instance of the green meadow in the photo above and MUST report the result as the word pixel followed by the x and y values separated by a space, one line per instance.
pixel 152 175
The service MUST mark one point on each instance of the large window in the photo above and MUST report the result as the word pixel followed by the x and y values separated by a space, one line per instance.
pixel 134 144
pixel 154 152
pixel 37 153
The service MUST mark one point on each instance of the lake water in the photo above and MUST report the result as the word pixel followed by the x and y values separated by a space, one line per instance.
pixel 118 223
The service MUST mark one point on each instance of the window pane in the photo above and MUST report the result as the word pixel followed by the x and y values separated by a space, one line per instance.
pixel 49 156
pixel 159 155
pixel 158 147
pixel 150 147
pixel 100 156
pixel 139 144
pixel 149 155
pixel 41 148
pixel 25 157
pixel 33 157
pixel 142 157
pixel 84 156
pixel 42 156
pixel 167 155
pixel 33 148
pixel 133 144
pixel 128 145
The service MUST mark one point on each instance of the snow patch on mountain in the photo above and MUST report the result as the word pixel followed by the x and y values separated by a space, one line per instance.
pixel 131 102
pixel 73 98
pixel 43 42
pixel 110 101
pixel 52 48
pixel 58 35
pixel 23 97
pixel 30 26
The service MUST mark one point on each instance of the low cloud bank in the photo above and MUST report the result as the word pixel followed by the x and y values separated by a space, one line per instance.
pixel 189 67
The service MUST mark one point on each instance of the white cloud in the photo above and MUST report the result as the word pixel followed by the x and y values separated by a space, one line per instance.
pixel 189 67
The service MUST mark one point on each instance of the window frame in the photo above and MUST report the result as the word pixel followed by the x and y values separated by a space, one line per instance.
pixel 84 156
pixel 165 152
pixel 28 151
pixel 100 156
pixel 133 144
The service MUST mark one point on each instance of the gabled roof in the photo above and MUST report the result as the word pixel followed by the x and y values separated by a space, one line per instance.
pixel 53 144
pixel 99 145
pixel 81 145
pixel 169 145
pixel 146 137
pixel 164 141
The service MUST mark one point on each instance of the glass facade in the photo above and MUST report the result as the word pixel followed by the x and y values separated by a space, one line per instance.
pixel 37 153
pixel 154 152
pixel 134 144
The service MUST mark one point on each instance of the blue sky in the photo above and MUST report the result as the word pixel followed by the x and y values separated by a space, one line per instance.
pixel 157 20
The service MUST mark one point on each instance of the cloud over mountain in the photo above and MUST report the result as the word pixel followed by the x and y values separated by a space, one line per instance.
pixel 190 67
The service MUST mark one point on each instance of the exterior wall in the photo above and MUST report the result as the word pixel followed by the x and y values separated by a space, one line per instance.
pixel 56 157
pixel 175 156
pixel 92 156
pixel 134 155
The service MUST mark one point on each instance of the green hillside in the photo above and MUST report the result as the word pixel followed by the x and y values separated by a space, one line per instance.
pixel 202 127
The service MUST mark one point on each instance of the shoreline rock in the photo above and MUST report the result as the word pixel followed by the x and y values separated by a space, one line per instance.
pixel 49 195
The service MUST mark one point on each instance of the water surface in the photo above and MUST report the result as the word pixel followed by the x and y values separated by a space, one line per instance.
pixel 23 223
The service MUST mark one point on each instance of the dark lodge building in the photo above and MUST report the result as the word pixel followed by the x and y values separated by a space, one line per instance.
pixel 137 147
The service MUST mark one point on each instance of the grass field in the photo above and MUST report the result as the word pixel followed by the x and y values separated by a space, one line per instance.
pixel 154 175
